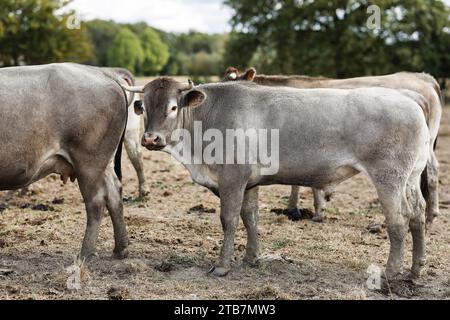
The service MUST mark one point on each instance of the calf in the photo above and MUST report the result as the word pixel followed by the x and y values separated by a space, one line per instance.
pixel 421 83
pixel 375 131
pixel 66 119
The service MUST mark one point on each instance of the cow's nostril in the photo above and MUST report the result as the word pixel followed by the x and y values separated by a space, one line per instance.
pixel 156 139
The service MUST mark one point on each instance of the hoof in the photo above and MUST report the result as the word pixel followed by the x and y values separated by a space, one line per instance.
pixel 120 254
pixel 318 219
pixel 88 257
pixel 219 272
pixel 391 275
pixel 294 214
pixel 418 272
pixel 251 262
pixel 142 195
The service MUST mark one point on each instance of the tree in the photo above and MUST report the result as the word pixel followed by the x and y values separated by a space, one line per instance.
pixel 156 52
pixel 101 34
pixel 39 31
pixel 332 38
pixel 126 51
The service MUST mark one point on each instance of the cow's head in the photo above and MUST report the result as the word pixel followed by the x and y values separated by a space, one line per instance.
pixel 164 100
pixel 233 74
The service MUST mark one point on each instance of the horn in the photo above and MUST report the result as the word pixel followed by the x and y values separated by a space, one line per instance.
pixel 188 86
pixel 233 76
pixel 135 89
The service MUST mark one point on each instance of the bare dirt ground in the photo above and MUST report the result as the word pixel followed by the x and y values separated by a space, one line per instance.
pixel 173 246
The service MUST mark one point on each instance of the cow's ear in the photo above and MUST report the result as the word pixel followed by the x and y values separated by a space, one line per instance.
pixel 250 74
pixel 194 99
pixel 138 107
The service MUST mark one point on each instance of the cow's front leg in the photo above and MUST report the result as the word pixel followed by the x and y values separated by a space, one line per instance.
pixel 231 197
pixel 249 215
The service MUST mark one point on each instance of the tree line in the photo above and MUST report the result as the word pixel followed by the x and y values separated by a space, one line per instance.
pixel 317 38
pixel 43 31
pixel 333 38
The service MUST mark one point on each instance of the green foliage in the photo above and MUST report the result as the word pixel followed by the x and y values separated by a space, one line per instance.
pixel 164 53
pixel 331 38
pixel 36 32
pixel 101 34
pixel 156 52
pixel 195 53
pixel 125 51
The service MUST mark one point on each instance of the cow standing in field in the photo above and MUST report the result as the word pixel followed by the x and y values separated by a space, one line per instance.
pixel 421 83
pixel 376 131
pixel 66 119
pixel 132 140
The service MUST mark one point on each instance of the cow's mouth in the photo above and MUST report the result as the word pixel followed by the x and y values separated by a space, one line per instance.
pixel 155 148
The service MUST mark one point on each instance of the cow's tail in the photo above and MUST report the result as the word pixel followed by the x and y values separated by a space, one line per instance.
pixel 118 159
pixel 424 187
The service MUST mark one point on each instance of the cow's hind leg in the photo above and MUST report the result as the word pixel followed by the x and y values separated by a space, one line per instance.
pixel 249 215
pixel 114 205
pixel 102 191
pixel 433 189
pixel 394 203
pixel 417 226
pixel 94 195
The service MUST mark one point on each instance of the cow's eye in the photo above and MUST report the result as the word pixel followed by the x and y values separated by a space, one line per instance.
pixel 174 108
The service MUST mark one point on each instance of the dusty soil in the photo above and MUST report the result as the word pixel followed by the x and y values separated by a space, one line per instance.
pixel 176 233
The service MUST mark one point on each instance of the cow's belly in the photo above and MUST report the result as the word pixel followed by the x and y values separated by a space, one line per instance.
pixel 17 173
pixel 311 178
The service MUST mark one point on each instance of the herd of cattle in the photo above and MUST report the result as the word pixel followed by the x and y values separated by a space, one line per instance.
pixel 72 120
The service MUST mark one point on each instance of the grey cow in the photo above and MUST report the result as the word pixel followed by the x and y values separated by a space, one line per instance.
pixel 69 120
pixel 375 131
pixel 132 134
pixel 421 83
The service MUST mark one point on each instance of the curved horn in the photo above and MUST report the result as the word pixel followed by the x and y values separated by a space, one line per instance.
pixel 135 89
pixel 188 86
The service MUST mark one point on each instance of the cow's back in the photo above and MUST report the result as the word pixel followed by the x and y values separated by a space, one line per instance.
pixel 317 125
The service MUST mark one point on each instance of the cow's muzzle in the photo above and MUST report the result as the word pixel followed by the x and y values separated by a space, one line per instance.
pixel 153 141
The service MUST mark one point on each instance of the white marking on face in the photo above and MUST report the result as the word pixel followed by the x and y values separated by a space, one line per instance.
pixel 172 109
pixel 233 75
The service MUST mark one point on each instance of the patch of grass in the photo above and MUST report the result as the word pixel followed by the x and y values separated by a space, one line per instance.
pixel 332 211
pixel 159 185
pixel 360 212
pixel 281 243
pixel 267 292
pixel 183 260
